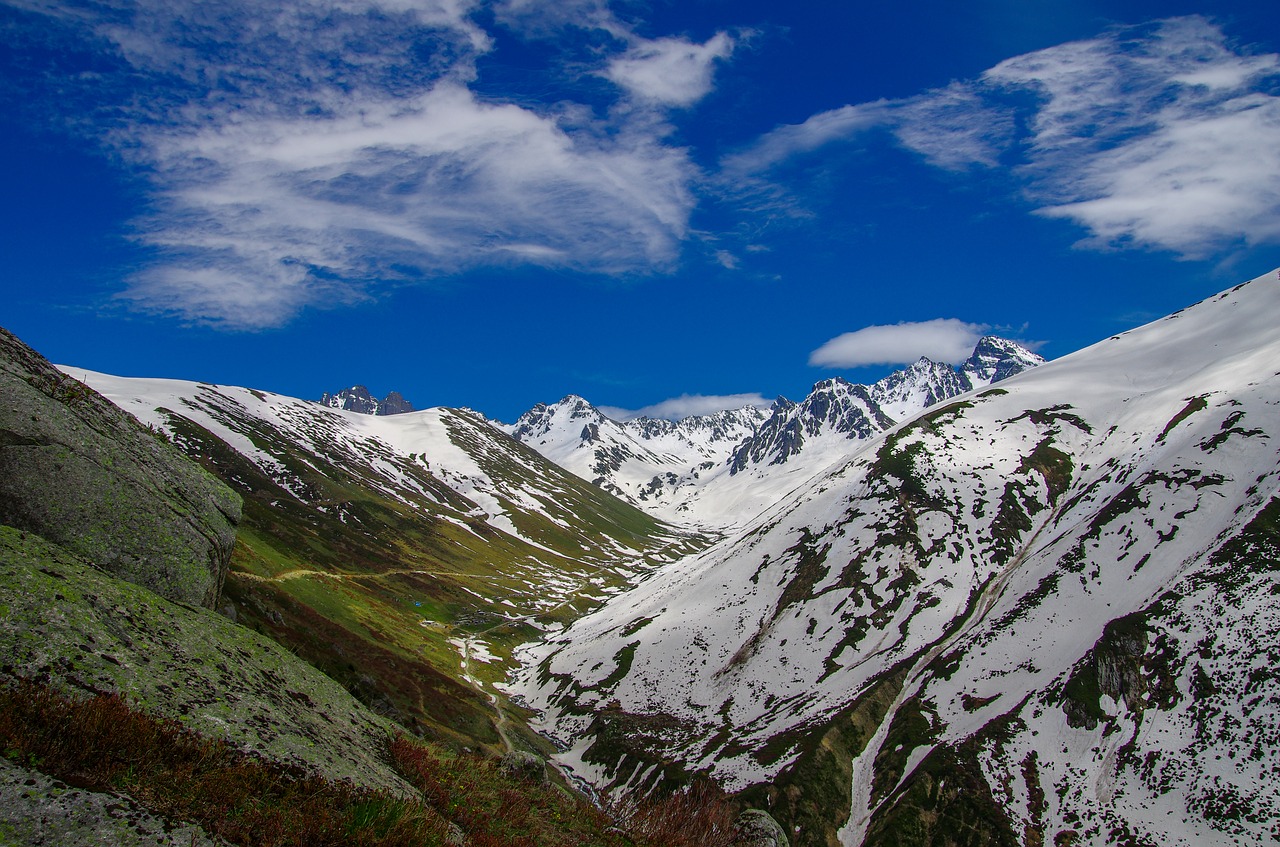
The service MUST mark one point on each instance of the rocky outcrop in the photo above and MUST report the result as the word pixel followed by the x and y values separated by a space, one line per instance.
pixel 80 472
pixel 39 811
pixel 757 828
pixel 358 399
pixel 83 474
pixel 67 624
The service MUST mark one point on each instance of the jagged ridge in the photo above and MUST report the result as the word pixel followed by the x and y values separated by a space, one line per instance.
pixel 716 471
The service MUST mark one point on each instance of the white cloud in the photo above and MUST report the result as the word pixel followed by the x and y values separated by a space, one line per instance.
pixel 543 19
pixel 1167 141
pixel 669 71
pixel 687 405
pixel 727 260
pixel 952 127
pixel 1160 137
pixel 942 340
pixel 426 185
pixel 1194 185
pixel 307 153
pixel 784 142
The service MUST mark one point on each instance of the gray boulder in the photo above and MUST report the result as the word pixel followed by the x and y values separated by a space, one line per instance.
pixel 37 811
pixel 523 766
pixel 757 828
pixel 82 473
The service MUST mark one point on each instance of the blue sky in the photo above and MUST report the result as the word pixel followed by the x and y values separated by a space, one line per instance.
pixel 670 205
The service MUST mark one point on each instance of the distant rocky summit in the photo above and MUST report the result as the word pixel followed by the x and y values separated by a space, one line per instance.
pixel 81 473
pixel 358 399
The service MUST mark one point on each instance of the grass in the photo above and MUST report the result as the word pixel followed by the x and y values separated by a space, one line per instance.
pixel 370 579
pixel 103 744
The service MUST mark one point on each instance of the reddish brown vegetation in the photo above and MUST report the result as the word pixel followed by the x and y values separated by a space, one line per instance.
pixel 102 744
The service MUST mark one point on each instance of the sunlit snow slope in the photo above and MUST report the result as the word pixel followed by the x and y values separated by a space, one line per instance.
pixel 1044 613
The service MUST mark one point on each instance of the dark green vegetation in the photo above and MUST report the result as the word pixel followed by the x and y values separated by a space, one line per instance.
pixel 946 802
pixel 1194 404
pixel 1121 667
pixel 811 798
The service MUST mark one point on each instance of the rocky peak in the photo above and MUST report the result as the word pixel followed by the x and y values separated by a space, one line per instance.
pixel 997 358
pixel 728 425
pixel 358 399
pixel 572 411
pixel 836 405
pixel 394 404
pixel 650 428
pixel 926 382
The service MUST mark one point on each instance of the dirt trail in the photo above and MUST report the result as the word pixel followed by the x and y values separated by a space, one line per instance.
pixel 302 572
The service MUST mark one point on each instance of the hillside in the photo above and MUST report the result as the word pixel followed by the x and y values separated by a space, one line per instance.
pixel 1024 616
pixel 1027 614
pixel 404 555
pixel 132 715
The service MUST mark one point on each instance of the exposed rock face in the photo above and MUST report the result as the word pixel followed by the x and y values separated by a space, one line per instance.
pixel 80 472
pixel 65 623
pixel 757 828
pixel 38 811
pixel 394 404
pixel 358 399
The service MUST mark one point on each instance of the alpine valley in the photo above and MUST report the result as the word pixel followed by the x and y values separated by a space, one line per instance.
pixel 1009 603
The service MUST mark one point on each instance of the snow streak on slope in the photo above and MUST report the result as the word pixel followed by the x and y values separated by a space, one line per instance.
pixel 1037 600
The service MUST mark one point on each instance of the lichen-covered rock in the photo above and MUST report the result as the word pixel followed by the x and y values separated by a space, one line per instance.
pixel 757 828
pixel 524 767
pixel 82 630
pixel 82 473
pixel 38 811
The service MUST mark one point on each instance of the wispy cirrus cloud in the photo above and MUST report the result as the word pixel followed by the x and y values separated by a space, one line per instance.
pixel 319 210
pixel 687 405
pixel 1159 136
pixel 309 154
pixel 942 340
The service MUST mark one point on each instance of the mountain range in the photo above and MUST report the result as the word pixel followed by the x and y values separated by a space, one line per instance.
pixel 715 471
pixel 1013 602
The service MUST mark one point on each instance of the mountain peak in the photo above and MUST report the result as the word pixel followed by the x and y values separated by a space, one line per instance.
pixel 571 410
pixel 996 358
pixel 358 399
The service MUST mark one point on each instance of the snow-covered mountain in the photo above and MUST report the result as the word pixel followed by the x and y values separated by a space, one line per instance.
pixel 659 465
pixel 1043 613
pixel 905 393
pixel 716 471
pixel 452 463
pixel 358 399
